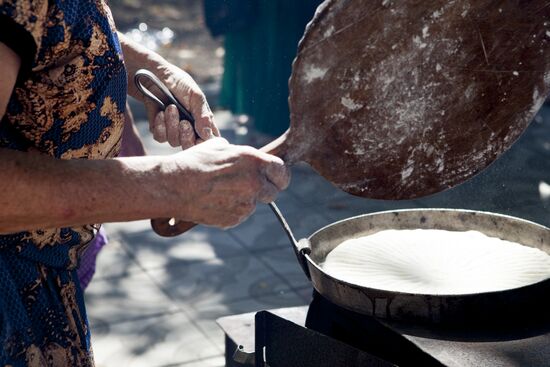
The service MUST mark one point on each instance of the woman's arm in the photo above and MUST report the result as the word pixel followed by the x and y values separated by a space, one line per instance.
pixel 214 183
pixel 11 64
pixel 42 192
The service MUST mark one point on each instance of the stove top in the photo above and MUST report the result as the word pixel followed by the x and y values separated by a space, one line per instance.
pixel 323 334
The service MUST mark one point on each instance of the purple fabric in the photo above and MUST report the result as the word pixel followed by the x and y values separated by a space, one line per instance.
pixel 86 269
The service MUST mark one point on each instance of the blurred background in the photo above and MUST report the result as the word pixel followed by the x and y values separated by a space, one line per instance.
pixel 239 51
pixel 175 29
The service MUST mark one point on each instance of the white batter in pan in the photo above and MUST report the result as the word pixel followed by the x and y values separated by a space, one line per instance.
pixel 436 262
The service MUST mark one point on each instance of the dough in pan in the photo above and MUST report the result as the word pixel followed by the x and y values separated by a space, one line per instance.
pixel 436 262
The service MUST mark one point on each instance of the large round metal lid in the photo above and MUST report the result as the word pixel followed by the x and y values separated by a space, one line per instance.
pixel 400 99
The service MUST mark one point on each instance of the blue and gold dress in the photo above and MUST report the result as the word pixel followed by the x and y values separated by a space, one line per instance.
pixel 68 103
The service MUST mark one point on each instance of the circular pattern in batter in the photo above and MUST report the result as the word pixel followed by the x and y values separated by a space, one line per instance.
pixel 437 262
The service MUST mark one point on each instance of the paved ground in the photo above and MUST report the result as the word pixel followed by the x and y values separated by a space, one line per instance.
pixel 154 300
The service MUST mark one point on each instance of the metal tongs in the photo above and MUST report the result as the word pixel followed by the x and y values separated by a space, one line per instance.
pixel 144 75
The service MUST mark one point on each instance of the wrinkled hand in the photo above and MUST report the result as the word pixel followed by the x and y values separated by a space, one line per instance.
pixel 225 182
pixel 166 125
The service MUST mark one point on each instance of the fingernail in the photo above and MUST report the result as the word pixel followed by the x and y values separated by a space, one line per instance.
pixel 208 132
pixel 172 110
pixel 160 116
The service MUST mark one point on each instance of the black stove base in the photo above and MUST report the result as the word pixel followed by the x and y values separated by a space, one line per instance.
pixel 364 333
pixel 325 335
pixel 281 343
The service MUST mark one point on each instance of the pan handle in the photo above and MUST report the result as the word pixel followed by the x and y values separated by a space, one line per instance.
pixel 301 247
pixel 282 148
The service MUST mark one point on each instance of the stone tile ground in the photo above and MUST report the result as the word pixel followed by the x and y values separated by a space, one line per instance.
pixel 154 300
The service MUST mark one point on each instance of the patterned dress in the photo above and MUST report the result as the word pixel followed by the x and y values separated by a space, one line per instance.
pixel 68 103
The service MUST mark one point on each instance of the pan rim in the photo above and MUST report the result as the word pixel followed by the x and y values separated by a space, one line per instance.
pixel 313 263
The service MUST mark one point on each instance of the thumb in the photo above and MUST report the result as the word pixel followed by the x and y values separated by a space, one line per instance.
pixel 277 172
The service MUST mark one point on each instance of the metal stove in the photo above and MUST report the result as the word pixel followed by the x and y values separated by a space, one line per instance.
pixel 324 334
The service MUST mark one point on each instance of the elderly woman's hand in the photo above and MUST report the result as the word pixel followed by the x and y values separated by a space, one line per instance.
pixel 166 126
pixel 219 184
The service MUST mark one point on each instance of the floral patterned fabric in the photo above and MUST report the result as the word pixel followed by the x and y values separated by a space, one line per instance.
pixel 68 103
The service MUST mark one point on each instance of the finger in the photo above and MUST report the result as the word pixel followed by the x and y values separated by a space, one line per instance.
pixel 242 212
pixel 207 125
pixel 204 118
pixel 152 111
pixel 159 128
pixel 186 135
pixel 268 192
pixel 229 221
pixel 172 122
pixel 277 172
pixel 208 133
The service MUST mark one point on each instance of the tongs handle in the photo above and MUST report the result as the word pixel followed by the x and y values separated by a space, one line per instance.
pixel 167 227
pixel 164 226
pixel 143 75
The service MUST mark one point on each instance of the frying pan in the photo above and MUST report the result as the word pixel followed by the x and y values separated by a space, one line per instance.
pixel 523 307
pixel 401 99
